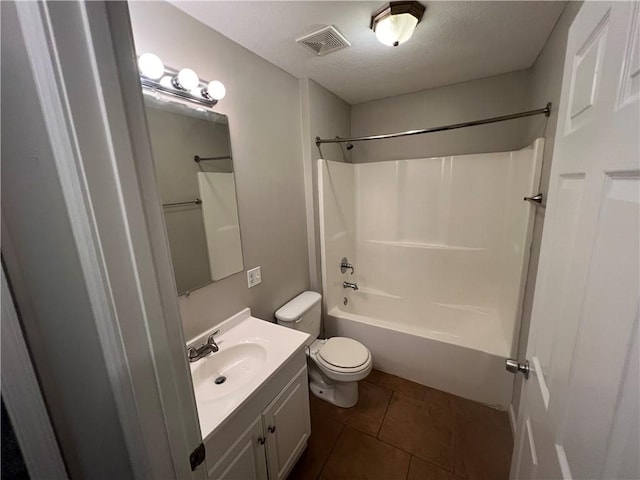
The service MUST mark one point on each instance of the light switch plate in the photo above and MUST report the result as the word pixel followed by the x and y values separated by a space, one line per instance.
pixel 254 277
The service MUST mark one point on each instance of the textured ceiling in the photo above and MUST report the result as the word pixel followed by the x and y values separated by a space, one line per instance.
pixel 454 42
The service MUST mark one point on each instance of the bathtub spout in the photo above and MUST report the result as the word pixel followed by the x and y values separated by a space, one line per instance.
pixel 349 285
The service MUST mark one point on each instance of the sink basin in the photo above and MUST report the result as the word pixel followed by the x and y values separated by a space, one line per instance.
pixel 226 371
pixel 251 351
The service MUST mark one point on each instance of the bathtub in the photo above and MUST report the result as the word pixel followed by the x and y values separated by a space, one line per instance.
pixel 451 361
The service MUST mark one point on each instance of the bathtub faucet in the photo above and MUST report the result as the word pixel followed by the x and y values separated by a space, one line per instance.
pixel 349 285
pixel 344 265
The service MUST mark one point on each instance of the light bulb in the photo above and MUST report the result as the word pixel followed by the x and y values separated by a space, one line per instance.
pixel 188 79
pixel 150 66
pixel 396 29
pixel 216 90
pixel 166 81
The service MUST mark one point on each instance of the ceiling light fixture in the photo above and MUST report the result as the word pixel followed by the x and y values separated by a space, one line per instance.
pixel 394 22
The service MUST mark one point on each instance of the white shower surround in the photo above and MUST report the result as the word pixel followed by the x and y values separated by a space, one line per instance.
pixel 440 248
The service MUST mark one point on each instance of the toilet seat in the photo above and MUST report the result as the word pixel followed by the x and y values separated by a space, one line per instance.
pixel 353 354
pixel 342 352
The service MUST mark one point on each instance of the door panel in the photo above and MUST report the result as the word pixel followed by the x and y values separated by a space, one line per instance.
pixel 587 68
pixel 623 460
pixel 601 353
pixel 559 283
pixel 528 455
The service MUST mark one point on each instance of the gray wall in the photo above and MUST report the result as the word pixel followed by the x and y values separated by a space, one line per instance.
pixel 546 83
pixel 461 102
pixel 325 115
pixel 263 105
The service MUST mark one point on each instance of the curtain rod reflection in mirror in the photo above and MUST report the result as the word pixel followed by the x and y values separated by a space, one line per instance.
pixel 198 158
pixel 197 201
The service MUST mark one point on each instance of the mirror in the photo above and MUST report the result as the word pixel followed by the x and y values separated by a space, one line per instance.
pixel 194 166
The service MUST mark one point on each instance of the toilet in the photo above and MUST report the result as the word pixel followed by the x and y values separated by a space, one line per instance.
pixel 335 365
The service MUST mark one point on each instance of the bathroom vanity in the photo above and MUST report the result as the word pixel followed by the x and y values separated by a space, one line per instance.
pixel 252 398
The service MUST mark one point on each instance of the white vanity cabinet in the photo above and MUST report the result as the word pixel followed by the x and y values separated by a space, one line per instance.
pixel 246 457
pixel 265 438
pixel 287 427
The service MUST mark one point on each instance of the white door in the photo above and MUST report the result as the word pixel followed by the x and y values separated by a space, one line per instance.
pixel 579 413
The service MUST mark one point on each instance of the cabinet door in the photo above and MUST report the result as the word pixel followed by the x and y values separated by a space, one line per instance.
pixel 245 460
pixel 287 425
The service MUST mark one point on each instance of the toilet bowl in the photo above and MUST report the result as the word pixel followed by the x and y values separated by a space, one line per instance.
pixel 336 364
pixel 341 363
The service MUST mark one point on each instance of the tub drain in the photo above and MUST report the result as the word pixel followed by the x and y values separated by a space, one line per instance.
pixel 220 380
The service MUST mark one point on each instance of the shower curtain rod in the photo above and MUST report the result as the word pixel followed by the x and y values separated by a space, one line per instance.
pixel 546 111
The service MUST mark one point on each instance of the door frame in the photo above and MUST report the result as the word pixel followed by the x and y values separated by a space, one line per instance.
pixel 94 110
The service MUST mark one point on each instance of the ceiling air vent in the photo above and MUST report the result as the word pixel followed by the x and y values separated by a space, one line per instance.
pixel 323 41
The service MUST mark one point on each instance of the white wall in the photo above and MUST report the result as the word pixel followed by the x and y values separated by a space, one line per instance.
pixel 263 106
pixel 473 100
pixel 324 115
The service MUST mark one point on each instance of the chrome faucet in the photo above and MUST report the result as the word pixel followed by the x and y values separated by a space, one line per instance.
pixel 349 285
pixel 196 353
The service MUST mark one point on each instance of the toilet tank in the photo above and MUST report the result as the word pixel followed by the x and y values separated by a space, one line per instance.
pixel 302 313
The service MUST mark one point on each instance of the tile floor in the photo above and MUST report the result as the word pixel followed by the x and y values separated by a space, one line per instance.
pixel 404 430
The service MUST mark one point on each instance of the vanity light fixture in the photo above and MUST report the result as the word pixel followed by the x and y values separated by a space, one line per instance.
pixel 214 90
pixel 150 66
pixel 156 77
pixel 186 79
pixel 394 22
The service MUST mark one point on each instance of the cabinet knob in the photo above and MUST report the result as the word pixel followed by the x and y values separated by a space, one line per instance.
pixel 261 440
pixel 271 429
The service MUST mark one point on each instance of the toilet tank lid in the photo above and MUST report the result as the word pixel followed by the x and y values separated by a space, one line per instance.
pixel 295 308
